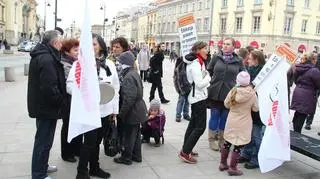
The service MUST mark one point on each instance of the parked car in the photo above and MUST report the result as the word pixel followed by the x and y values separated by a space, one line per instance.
pixel 26 46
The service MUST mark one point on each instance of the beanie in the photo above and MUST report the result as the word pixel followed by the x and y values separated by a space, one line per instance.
pixel 127 58
pixel 155 104
pixel 243 78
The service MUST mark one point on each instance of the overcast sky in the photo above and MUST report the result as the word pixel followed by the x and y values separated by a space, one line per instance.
pixel 69 10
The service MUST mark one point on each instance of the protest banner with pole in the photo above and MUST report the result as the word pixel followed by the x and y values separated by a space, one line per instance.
pixel 187 33
pixel 85 108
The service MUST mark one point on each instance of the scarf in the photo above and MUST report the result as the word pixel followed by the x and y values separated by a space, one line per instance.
pixel 227 56
pixel 101 62
pixel 201 60
pixel 254 71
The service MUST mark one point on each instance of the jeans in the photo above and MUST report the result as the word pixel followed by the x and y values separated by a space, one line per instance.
pixel 196 127
pixel 183 104
pixel 42 146
pixel 251 150
pixel 218 119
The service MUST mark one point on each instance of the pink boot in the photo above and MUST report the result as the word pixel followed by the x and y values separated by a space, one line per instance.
pixel 223 160
pixel 233 170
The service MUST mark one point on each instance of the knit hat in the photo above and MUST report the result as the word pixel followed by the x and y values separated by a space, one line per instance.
pixel 155 104
pixel 243 78
pixel 127 58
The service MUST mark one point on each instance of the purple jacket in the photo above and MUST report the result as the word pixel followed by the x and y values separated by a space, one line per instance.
pixel 158 122
pixel 307 80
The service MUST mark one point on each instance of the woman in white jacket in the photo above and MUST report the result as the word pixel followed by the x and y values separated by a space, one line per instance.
pixel 200 78
pixel 107 73
pixel 144 61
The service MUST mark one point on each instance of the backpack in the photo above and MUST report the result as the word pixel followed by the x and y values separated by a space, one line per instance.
pixel 180 80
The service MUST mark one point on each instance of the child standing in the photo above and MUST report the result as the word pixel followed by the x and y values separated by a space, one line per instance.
pixel 154 126
pixel 241 100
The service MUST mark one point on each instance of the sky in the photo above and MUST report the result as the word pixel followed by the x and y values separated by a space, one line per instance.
pixel 73 10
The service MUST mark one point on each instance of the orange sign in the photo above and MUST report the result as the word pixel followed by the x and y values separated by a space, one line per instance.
pixel 186 20
pixel 286 51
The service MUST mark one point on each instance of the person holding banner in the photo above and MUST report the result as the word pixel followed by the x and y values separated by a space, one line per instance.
pixel 241 100
pixel 223 69
pixel 304 101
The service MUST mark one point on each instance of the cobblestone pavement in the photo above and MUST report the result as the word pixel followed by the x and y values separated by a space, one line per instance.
pixel 17 136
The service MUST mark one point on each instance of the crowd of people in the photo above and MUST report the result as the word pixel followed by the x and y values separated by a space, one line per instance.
pixel 221 82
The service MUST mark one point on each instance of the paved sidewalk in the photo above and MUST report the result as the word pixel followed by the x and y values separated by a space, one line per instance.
pixel 17 136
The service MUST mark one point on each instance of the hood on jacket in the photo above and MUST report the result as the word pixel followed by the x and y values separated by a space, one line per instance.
pixel 302 68
pixel 41 48
pixel 244 94
pixel 189 58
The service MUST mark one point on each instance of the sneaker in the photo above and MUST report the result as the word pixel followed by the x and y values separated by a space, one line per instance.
pixel 178 119
pixel 187 118
pixel 99 173
pixel 243 160
pixel 121 160
pixel 249 165
pixel 187 158
pixel 52 169
pixel 194 154
pixel 307 127
pixel 165 101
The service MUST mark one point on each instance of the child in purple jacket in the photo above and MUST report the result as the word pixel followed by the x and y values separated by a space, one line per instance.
pixel 154 126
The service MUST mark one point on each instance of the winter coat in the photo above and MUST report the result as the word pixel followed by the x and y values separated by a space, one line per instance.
pixel 223 76
pixel 198 75
pixel 112 107
pixel 46 83
pixel 156 64
pixel 157 123
pixel 239 122
pixel 143 60
pixel 133 109
pixel 307 80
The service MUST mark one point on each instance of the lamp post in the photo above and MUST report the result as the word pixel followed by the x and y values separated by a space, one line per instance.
pixel 103 8
pixel 45 14
pixel 56 14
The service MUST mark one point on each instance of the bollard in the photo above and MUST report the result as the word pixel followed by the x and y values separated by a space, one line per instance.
pixel 9 75
pixel 26 69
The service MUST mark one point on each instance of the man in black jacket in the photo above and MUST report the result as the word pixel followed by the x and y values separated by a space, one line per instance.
pixel 46 94
pixel 157 73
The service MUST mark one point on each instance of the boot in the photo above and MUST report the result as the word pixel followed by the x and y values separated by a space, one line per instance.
pixel 220 139
pixel 223 160
pixel 233 170
pixel 82 175
pixel 213 140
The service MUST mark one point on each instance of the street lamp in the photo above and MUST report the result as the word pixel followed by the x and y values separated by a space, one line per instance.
pixel 103 8
pixel 45 14
pixel 56 14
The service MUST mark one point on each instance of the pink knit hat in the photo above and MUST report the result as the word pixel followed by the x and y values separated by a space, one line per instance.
pixel 243 78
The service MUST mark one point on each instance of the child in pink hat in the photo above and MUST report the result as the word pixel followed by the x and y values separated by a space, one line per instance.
pixel 241 100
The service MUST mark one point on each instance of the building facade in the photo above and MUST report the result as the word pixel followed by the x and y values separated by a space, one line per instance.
pixel 151 28
pixel 2 19
pixel 265 24
pixel 142 29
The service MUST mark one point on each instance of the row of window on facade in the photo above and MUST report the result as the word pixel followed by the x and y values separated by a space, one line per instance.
pixel 186 7
pixel 258 2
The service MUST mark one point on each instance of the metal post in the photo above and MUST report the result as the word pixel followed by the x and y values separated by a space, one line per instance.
pixel 211 16
pixel 104 19
pixel 56 14
pixel 45 15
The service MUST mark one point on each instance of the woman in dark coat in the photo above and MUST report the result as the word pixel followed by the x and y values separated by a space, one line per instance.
pixel 223 68
pixel 304 100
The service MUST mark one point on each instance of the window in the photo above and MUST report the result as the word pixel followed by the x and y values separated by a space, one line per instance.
pixel 186 8
pixel 256 24
pixel 318 28
pixel 306 4
pixel 239 24
pixel 208 4
pixel 159 27
pixel 168 27
pixel 193 7
pixel 304 26
pixel 174 29
pixel 257 2
pixel 206 24
pixel 163 27
pixel 240 3
pixel 288 25
pixel 15 14
pixel 290 2
pixel 223 25
pixel 2 13
pixel 198 25
pixel 180 10
pixel 224 3
pixel 200 6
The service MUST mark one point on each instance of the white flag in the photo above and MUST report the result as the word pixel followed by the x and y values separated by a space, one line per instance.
pixel 85 109
pixel 273 104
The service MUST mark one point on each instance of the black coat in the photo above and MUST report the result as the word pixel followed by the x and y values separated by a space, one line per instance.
pixel 223 76
pixel 133 109
pixel 46 83
pixel 156 63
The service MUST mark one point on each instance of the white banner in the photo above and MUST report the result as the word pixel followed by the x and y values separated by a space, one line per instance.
pixel 85 109
pixel 274 112
pixel 187 33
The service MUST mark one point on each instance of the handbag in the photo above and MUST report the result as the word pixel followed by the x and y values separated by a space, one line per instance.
pixel 111 140
pixel 149 75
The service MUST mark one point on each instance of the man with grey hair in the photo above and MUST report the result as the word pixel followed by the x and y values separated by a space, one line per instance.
pixel 46 95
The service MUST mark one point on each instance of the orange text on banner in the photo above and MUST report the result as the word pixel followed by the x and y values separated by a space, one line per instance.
pixel 286 51
pixel 186 20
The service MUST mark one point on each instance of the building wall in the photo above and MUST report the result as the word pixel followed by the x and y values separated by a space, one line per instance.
pixel 2 19
pixel 142 28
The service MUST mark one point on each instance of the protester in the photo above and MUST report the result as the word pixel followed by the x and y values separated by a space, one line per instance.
pixel 118 45
pixel 183 102
pixel 144 61
pixel 173 56
pixel 133 110
pixel 223 70
pixel 200 78
pixel 46 95
pixel 250 151
pixel 157 73
pixel 69 54
pixel 154 126
pixel 304 101
pixel 241 100
pixel 244 54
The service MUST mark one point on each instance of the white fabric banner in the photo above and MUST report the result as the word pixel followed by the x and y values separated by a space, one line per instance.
pixel 85 109
pixel 274 112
